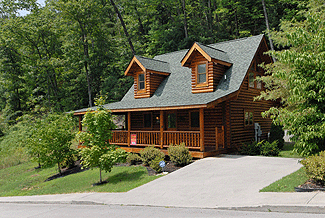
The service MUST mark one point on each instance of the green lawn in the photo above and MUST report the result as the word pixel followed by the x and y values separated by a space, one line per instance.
pixel 287 151
pixel 287 183
pixel 25 180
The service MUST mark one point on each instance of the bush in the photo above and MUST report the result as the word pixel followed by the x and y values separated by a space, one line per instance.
pixel 133 159
pixel 179 154
pixel 264 148
pixel 277 134
pixel 154 164
pixel 315 167
pixel 150 153
pixel 270 149
pixel 253 148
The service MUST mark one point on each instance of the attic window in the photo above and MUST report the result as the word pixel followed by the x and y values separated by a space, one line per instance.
pixel 201 73
pixel 141 84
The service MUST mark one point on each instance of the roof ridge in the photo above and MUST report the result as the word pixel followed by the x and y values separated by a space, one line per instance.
pixel 151 59
pixel 233 40
pixel 211 47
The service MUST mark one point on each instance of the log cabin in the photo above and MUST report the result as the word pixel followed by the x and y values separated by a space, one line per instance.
pixel 203 97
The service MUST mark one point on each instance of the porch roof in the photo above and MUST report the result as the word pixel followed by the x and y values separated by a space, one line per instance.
pixel 176 91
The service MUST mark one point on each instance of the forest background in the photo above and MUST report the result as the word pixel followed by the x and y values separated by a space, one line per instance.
pixel 63 54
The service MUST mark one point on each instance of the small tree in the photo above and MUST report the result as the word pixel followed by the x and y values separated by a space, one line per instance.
pixel 98 152
pixel 51 139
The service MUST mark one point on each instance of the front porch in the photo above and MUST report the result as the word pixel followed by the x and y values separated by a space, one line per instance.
pixel 201 131
pixel 135 141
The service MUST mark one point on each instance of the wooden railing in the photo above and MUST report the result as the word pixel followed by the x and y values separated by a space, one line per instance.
pixel 120 137
pixel 190 138
pixel 220 137
pixel 145 138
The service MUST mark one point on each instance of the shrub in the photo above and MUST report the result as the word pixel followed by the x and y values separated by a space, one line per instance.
pixel 179 154
pixel 270 149
pixel 133 159
pixel 277 134
pixel 154 164
pixel 253 148
pixel 315 167
pixel 150 153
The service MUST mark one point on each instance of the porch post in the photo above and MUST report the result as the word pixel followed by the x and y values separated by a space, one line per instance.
pixel 201 129
pixel 129 128
pixel 80 125
pixel 161 129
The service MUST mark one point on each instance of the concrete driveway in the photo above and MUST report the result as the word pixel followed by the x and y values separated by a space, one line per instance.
pixel 220 182
pixel 214 182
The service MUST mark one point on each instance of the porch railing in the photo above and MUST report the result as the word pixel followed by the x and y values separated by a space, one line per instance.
pixel 144 138
pixel 190 138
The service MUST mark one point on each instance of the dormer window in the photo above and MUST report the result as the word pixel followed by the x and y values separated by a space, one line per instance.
pixel 141 83
pixel 201 73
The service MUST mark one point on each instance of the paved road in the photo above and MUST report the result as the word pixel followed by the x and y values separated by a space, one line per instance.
pixel 112 211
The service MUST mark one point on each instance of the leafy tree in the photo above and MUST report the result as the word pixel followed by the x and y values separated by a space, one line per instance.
pixel 98 152
pixel 51 140
pixel 297 79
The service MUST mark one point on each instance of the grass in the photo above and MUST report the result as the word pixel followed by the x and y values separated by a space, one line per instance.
pixel 23 180
pixel 288 152
pixel 287 183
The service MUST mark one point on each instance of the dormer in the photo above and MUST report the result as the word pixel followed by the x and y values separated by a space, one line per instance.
pixel 148 74
pixel 208 67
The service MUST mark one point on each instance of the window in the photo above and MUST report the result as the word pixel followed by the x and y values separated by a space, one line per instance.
pixel 141 84
pixel 248 118
pixel 171 121
pixel 147 120
pixel 251 79
pixel 195 119
pixel 201 73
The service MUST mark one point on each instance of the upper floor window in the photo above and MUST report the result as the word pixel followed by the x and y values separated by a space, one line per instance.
pixel 252 74
pixel 201 73
pixel 141 83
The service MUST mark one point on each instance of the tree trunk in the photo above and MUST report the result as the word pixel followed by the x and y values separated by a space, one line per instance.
pixel 268 28
pixel 123 25
pixel 141 28
pixel 185 21
pixel 100 175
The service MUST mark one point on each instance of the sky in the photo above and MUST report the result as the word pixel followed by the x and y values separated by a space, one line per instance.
pixel 23 12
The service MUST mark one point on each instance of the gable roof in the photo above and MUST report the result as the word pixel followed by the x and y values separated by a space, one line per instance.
pixel 176 91
pixel 148 64
pixel 210 53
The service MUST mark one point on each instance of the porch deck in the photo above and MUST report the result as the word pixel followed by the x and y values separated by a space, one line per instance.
pixel 135 141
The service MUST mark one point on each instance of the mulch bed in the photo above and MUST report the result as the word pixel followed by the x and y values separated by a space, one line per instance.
pixel 67 171
pixel 170 167
pixel 309 186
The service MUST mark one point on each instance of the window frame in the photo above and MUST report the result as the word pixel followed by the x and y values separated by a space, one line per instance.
pixel 144 82
pixel 144 120
pixel 190 120
pixel 167 120
pixel 249 112
pixel 198 84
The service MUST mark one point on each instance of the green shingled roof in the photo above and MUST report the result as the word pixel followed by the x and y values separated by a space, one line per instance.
pixel 215 53
pixel 152 64
pixel 176 89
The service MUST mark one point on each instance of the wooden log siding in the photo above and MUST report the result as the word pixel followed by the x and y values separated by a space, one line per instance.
pixel 245 102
